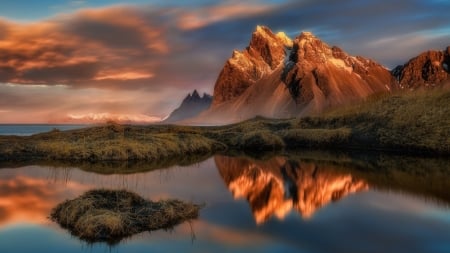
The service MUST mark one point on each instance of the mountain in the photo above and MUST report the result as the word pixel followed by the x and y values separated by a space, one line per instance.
pixel 428 69
pixel 277 186
pixel 278 78
pixel 265 53
pixel 191 106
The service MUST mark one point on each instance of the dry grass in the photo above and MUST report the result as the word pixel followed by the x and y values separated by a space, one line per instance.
pixel 316 137
pixel 413 122
pixel 110 216
pixel 110 143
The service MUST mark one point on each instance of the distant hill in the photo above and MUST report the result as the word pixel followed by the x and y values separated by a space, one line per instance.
pixel 191 106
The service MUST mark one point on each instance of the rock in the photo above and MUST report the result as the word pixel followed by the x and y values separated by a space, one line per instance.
pixel 265 52
pixel 327 76
pixel 429 69
pixel 191 106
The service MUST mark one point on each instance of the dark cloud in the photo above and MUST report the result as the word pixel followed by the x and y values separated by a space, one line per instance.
pixel 84 49
pixel 109 35
pixel 61 74
pixel 6 73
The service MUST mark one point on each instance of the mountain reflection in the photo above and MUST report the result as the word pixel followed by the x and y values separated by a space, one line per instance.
pixel 279 185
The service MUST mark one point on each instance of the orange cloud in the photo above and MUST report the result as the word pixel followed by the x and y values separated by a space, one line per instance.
pixel 204 16
pixel 78 49
pixel 123 76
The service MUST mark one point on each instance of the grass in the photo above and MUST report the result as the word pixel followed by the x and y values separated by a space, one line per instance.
pixel 110 142
pixel 111 215
pixel 316 137
pixel 412 123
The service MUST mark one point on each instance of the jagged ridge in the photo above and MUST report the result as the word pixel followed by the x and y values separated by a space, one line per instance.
pixel 264 53
pixel 428 69
pixel 192 105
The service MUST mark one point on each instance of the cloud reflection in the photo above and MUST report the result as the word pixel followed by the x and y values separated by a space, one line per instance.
pixel 29 200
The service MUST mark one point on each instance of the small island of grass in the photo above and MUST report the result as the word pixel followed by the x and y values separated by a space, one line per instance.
pixel 111 215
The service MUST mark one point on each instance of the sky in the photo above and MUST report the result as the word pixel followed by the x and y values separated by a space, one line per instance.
pixel 64 61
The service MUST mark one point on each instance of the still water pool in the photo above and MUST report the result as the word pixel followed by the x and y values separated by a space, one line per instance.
pixel 279 204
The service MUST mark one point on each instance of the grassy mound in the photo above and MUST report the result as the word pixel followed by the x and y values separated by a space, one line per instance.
pixel 111 215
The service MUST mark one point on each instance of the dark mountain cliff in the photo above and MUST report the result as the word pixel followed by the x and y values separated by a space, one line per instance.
pixel 191 106
pixel 429 69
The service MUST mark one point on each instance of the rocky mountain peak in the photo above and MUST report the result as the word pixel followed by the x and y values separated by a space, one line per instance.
pixel 306 34
pixel 195 94
pixel 286 40
pixel 265 52
pixel 191 106
pixel 320 75
pixel 308 47
pixel 206 96
pixel 268 46
pixel 428 69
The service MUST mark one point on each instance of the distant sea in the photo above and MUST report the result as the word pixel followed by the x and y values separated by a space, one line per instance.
pixel 28 129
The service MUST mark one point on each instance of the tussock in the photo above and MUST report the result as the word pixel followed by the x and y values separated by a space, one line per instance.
pixel 111 215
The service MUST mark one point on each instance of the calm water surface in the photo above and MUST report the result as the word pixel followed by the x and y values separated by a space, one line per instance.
pixel 26 129
pixel 276 205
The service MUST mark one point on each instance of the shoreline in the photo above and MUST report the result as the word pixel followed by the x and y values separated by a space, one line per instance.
pixel 413 124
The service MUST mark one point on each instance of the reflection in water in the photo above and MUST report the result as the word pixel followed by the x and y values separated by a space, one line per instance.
pixel 27 194
pixel 377 218
pixel 30 199
pixel 277 186
pixel 113 167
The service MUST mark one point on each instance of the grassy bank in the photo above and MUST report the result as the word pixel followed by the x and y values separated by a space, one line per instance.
pixel 111 142
pixel 416 123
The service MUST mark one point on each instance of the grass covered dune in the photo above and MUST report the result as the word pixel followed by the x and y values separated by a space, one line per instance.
pixel 415 123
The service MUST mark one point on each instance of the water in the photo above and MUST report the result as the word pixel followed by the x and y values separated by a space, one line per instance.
pixel 26 130
pixel 299 203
